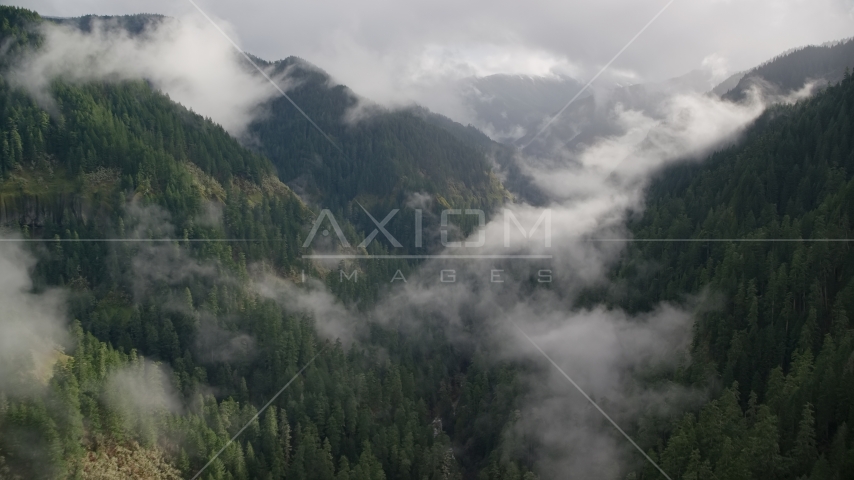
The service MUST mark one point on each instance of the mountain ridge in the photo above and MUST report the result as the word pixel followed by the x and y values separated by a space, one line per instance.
pixel 790 71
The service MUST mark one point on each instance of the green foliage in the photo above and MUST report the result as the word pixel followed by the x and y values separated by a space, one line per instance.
pixel 174 348
pixel 379 159
pixel 780 332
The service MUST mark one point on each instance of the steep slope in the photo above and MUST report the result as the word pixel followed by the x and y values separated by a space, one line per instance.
pixel 728 84
pixel 167 343
pixel 504 157
pixel 825 64
pixel 778 336
pixel 380 158
pixel 111 140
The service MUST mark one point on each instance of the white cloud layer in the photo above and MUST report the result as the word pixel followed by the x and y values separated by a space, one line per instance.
pixel 187 59
pixel 591 195
pixel 391 52
pixel 32 326
pixel 399 51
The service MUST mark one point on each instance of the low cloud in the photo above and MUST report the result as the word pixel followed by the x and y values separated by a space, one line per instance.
pixel 332 319
pixel 604 351
pixel 164 272
pixel 140 392
pixel 163 264
pixel 186 58
pixel 169 265
pixel 33 328
pixel 214 343
pixel 592 191
pixel 591 194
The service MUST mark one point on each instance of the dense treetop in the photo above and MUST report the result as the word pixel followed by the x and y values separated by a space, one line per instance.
pixel 183 324
pixel 779 337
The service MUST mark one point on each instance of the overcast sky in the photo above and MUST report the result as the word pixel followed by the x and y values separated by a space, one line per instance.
pixel 383 47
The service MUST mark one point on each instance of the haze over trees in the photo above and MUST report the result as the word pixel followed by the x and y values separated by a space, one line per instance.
pixel 122 160
pixel 152 353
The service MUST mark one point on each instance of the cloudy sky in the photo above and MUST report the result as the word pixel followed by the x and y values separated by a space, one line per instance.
pixel 396 50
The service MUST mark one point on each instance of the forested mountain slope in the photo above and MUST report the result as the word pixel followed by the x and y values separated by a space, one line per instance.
pixel 379 159
pixel 518 183
pixel 385 153
pixel 165 345
pixel 778 336
pixel 825 64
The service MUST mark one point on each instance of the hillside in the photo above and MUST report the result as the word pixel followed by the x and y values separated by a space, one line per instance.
pixel 156 347
pixel 380 160
pixel 789 72
pixel 777 336
pixel 385 153
pixel 155 295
